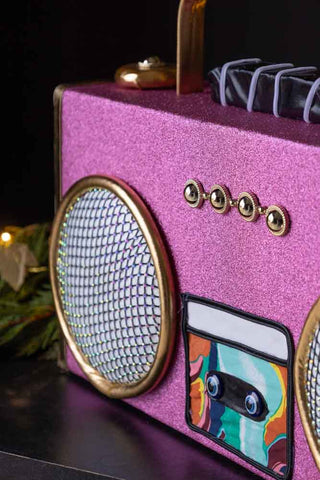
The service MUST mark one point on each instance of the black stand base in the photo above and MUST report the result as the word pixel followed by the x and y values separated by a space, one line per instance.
pixel 55 426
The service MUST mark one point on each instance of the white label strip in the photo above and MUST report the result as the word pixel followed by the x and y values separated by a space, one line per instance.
pixel 213 321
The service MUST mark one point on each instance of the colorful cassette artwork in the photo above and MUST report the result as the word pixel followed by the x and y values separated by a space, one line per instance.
pixel 239 383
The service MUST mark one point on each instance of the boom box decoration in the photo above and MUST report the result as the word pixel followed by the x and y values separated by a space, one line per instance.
pixel 185 261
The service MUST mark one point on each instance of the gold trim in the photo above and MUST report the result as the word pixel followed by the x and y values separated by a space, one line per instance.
pixel 57 127
pixel 301 361
pixel 57 109
pixel 190 40
pixel 164 276
pixel 57 146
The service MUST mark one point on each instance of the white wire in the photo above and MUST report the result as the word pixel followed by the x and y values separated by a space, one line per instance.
pixel 223 75
pixel 309 100
pixel 255 78
pixel 277 84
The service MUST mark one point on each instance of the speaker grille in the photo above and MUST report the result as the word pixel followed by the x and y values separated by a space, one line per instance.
pixel 313 382
pixel 307 379
pixel 108 287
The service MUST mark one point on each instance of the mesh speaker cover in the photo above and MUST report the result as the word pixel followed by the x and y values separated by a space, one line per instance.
pixel 113 286
pixel 313 382
pixel 307 377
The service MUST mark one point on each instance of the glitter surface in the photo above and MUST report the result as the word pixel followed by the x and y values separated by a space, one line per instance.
pixel 108 286
pixel 156 141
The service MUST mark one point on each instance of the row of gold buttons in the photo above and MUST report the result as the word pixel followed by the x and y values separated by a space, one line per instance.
pixel 247 204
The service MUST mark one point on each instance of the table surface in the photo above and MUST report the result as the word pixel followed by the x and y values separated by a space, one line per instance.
pixel 56 426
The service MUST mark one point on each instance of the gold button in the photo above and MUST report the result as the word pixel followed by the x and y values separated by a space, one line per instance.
pixel 220 199
pixel 193 193
pixel 277 220
pixel 248 206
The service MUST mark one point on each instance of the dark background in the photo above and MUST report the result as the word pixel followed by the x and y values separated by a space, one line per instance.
pixel 48 42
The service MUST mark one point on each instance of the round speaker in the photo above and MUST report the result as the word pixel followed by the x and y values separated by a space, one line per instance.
pixel 307 380
pixel 113 286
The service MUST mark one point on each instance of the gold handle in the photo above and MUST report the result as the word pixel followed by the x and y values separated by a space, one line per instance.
pixel 190 34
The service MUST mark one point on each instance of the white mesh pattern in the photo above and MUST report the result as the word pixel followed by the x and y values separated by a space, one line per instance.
pixel 313 383
pixel 108 286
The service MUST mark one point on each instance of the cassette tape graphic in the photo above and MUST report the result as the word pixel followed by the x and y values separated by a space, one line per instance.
pixel 239 383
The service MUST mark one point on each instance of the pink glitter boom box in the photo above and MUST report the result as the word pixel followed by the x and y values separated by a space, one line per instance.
pixel 185 264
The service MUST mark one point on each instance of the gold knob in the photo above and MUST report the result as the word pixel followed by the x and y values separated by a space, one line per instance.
pixel 277 220
pixel 248 206
pixel 194 193
pixel 220 199
pixel 150 73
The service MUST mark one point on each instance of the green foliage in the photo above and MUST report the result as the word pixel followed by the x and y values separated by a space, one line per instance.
pixel 28 322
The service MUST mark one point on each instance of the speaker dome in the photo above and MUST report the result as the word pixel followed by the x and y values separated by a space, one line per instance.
pixel 113 286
